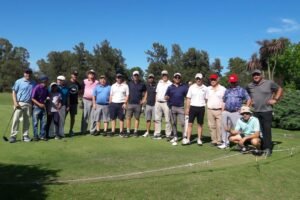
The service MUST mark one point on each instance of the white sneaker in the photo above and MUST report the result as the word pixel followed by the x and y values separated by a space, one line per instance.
pixel 26 139
pixel 222 146
pixel 174 143
pixel 199 142
pixel 185 141
pixel 146 134
pixel 174 140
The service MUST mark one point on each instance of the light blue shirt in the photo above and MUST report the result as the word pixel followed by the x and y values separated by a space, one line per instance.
pixel 247 127
pixel 23 89
pixel 102 94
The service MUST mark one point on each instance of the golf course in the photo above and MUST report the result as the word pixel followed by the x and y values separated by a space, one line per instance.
pixel 97 167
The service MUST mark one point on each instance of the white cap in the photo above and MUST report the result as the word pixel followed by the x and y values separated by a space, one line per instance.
pixel 91 71
pixel 199 75
pixel 136 73
pixel 62 78
pixel 164 72
pixel 52 84
pixel 177 74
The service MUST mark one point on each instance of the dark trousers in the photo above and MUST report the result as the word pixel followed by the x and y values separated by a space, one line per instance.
pixel 265 120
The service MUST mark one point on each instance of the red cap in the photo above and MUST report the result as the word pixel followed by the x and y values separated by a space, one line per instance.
pixel 213 76
pixel 233 78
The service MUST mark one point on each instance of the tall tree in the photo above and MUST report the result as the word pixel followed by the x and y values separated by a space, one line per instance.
pixel 216 66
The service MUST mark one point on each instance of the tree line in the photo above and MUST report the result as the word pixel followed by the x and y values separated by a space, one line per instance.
pixel 279 59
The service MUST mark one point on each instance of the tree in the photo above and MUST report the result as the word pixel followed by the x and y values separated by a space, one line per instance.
pixel 176 60
pixel 216 67
pixel 269 52
pixel 237 66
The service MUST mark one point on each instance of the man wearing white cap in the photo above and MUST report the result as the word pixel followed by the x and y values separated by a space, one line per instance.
pixel 175 96
pixel 136 99
pixel 64 91
pixel 161 106
pixel 247 130
pixel 89 85
pixel 195 107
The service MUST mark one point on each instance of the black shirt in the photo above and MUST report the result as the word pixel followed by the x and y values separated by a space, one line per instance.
pixel 151 93
pixel 74 88
pixel 136 91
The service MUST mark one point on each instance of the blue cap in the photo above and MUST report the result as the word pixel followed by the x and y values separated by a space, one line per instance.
pixel 43 78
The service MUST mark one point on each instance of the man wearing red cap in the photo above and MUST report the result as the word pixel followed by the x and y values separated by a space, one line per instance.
pixel 214 96
pixel 233 99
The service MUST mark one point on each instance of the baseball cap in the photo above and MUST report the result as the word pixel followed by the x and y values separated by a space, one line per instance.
pixel 62 78
pixel 53 84
pixel 119 75
pixel 233 78
pixel 151 75
pixel 28 71
pixel 91 71
pixel 164 72
pixel 256 71
pixel 43 78
pixel 245 109
pixel 136 73
pixel 102 76
pixel 177 74
pixel 199 75
pixel 213 76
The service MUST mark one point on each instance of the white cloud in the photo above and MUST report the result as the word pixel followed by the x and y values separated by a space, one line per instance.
pixel 287 25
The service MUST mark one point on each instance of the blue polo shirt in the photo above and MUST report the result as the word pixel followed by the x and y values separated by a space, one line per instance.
pixel 64 91
pixel 234 97
pixel 23 89
pixel 136 91
pixel 177 94
pixel 102 92
pixel 248 127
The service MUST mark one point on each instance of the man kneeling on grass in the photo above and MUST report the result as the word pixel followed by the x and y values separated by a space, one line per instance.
pixel 246 131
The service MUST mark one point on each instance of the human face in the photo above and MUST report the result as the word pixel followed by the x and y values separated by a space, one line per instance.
pixel 60 82
pixel 27 76
pixel 164 77
pixel 246 116
pixel 150 79
pixel 102 81
pixel 213 82
pixel 73 77
pixel 177 79
pixel 199 81
pixel 91 76
pixel 136 77
pixel 119 79
pixel 256 77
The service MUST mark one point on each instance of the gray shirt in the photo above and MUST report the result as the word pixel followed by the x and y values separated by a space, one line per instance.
pixel 261 93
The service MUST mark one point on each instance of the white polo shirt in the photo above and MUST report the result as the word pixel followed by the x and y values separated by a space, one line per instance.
pixel 197 94
pixel 119 92
pixel 214 96
pixel 161 90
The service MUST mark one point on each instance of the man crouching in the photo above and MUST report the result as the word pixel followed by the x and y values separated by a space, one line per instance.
pixel 246 131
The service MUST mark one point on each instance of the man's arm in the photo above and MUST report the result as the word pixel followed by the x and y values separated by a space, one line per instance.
pixel 276 96
pixel 187 106
pixel 14 97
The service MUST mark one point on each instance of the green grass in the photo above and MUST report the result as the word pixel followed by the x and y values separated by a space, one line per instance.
pixel 39 170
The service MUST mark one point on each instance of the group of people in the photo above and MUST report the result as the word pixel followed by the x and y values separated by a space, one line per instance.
pixel 230 118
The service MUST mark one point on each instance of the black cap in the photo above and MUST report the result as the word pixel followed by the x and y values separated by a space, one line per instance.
pixel 75 72
pixel 28 71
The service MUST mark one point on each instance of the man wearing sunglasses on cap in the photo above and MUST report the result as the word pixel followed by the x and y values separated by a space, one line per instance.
pixel 175 96
pixel 246 131
pixel 265 94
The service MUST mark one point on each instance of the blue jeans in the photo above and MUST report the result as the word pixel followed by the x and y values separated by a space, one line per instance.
pixel 39 115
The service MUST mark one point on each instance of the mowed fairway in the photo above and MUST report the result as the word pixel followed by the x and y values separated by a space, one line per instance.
pixel 89 167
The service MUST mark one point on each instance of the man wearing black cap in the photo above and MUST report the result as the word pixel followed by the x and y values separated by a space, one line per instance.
pixel 74 91
pixel 21 94
pixel 39 115
pixel 265 94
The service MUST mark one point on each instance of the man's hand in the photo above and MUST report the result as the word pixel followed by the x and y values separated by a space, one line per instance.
pixel 242 141
pixel 272 101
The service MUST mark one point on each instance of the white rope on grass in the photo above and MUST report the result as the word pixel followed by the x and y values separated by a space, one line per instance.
pixel 108 177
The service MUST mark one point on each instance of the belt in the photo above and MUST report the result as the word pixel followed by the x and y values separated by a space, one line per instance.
pixel 215 109
pixel 231 111
pixel 161 101
pixel 87 99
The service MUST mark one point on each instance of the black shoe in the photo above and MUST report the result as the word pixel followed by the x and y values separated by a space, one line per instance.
pixel 244 150
pixel 122 134
pixel 104 134
pixel 135 134
pixel 36 139
pixel 169 138
pixel 43 139
pixel 111 134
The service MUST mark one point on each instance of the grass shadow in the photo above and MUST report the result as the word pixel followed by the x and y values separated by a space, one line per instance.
pixel 24 181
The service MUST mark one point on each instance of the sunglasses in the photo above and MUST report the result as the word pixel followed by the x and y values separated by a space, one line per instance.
pixel 213 79
pixel 256 74
pixel 198 79
pixel 246 113
pixel 177 77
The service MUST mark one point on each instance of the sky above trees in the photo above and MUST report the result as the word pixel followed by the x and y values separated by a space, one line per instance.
pixel 224 29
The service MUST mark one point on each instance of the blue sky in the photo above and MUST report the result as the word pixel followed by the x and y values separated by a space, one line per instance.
pixel 224 29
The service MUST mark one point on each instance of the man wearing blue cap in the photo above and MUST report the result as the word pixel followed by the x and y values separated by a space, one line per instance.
pixel 39 98
pixel 21 94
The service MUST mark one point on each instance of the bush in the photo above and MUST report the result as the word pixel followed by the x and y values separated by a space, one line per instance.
pixel 287 111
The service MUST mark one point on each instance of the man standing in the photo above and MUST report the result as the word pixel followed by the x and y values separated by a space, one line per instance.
pixel 175 96
pixel 214 96
pixel 233 100
pixel 74 90
pixel 136 99
pixel 89 85
pixel 100 105
pixel 118 101
pixel 64 91
pixel 150 98
pixel 195 108
pixel 21 95
pixel 161 106
pixel 39 96
pixel 265 94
